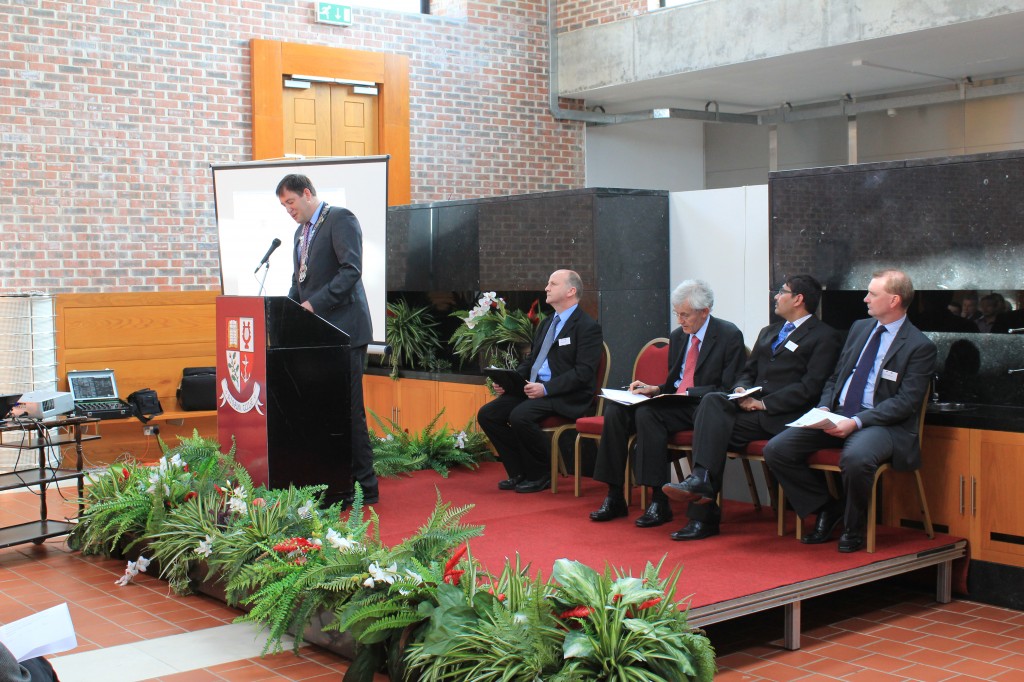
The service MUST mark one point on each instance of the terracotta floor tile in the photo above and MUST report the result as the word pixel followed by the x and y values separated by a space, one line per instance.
pixel 779 672
pixel 894 648
pixel 873 676
pixel 896 634
pixel 832 668
pixel 945 630
pixel 735 676
pixel 951 617
pixel 1015 661
pixel 979 652
pixel 1011 676
pixel 841 652
pixel 938 643
pixel 999 627
pixel 926 673
pixel 933 657
pixel 908 621
pixel 977 668
pixel 986 639
pixel 881 662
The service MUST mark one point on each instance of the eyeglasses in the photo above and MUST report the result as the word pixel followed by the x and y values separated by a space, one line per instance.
pixel 782 291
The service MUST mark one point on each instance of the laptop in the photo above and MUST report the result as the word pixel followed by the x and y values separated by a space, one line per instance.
pixel 95 394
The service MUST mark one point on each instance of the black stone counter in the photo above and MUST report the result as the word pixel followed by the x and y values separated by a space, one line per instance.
pixel 976 416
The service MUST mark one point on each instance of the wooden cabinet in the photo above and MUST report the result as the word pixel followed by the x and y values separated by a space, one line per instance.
pixel 413 403
pixel 971 478
pixel 461 402
pixel 945 469
pixel 997 513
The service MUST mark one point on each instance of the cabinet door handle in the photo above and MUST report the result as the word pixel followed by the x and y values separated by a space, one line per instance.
pixel 961 495
pixel 974 496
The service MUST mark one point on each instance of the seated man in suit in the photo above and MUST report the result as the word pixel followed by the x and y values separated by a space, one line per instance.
pixel 561 373
pixel 790 362
pixel 705 355
pixel 879 385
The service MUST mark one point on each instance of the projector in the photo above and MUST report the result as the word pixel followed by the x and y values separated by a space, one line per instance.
pixel 44 404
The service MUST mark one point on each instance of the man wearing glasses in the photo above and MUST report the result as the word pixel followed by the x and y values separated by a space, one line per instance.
pixel 878 386
pixel 789 362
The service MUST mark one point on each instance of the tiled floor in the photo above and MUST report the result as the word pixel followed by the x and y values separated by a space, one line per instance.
pixel 884 631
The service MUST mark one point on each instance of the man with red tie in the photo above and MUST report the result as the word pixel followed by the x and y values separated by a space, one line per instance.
pixel 706 355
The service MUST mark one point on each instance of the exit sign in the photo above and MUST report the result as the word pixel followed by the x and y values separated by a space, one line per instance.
pixel 333 13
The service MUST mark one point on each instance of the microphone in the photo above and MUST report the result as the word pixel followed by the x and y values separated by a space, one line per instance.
pixel 273 245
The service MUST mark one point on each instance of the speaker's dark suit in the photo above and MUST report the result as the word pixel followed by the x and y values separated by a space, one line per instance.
pixel 791 378
pixel 512 422
pixel 889 428
pixel 334 287
pixel 718 364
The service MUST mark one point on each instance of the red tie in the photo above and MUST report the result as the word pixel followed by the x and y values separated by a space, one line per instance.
pixel 691 366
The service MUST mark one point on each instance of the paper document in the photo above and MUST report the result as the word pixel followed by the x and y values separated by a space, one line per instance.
pixel 749 393
pixel 46 632
pixel 624 397
pixel 817 418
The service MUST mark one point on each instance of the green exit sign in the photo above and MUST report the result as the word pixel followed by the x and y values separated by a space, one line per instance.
pixel 333 13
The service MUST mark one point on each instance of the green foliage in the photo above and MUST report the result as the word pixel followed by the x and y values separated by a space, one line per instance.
pixel 422 609
pixel 412 335
pixel 626 628
pixel 504 630
pixel 492 332
pixel 398 452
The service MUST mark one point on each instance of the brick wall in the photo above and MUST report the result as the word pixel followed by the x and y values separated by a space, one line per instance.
pixel 112 112
pixel 577 14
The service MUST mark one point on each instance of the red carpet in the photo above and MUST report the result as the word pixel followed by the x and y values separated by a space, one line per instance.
pixel 748 556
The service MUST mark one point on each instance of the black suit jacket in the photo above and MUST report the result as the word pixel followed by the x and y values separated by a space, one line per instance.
pixel 334 271
pixel 718 364
pixel 573 360
pixel 898 397
pixel 791 377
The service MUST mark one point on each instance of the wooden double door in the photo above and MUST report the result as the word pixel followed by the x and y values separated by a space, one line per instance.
pixel 329 119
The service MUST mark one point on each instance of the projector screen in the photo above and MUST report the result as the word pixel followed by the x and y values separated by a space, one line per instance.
pixel 249 217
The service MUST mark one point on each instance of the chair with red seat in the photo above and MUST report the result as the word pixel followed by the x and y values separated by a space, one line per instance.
pixel 827 460
pixel 649 367
pixel 754 452
pixel 556 425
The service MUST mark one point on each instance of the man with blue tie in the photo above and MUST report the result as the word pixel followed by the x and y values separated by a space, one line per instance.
pixel 561 374
pixel 879 386
pixel 790 362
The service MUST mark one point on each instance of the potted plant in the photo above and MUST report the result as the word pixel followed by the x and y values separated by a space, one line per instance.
pixel 412 335
pixel 494 334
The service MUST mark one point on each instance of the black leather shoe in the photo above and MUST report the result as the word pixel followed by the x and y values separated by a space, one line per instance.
pixel 510 483
pixel 533 486
pixel 696 530
pixel 656 514
pixel 611 508
pixel 850 542
pixel 828 519
pixel 691 488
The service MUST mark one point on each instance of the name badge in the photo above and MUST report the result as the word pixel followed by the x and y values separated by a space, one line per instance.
pixel 889 375
pixel 791 347
pixel 564 342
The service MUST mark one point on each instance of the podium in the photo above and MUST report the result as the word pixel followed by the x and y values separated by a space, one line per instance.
pixel 283 393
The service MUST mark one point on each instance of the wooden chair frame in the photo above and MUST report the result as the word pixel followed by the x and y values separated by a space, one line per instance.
pixel 662 341
pixel 557 462
pixel 831 469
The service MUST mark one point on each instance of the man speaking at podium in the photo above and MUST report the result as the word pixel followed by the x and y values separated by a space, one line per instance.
pixel 327 280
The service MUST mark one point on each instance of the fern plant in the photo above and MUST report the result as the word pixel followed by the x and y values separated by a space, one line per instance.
pixel 398 452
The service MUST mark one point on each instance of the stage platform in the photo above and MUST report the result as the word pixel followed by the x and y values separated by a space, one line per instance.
pixel 746 569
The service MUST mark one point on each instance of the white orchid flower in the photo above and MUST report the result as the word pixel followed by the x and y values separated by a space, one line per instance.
pixel 306 510
pixel 383 575
pixel 460 440
pixel 340 542
pixel 368 582
pixel 205 547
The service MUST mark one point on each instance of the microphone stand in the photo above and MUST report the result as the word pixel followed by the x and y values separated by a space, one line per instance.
pixel 266 271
